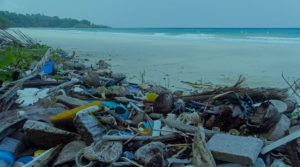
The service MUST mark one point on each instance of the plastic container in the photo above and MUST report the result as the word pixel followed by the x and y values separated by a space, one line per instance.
pixel 10 145
pixel 67 116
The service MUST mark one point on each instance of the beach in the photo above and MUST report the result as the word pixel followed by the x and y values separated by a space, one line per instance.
pixel 167 60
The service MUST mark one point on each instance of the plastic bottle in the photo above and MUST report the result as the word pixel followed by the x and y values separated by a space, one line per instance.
pixel 67 116
pixel 8 147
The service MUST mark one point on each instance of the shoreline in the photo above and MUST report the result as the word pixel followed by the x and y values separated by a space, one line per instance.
pixel 169 61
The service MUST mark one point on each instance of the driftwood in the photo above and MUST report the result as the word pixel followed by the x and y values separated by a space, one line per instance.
pixel 40 83
pixel 291 148
pixel 255 93
pixel 187 128
pixel 125 100
pixel 45 135
pixel 9 123
pixel 52 91
pixel 42 62
pixel 292 151
pixel 70 101
pixel 280 142
pixel 7 99
pixel 139 138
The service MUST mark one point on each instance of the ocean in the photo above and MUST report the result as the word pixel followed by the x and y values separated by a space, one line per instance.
pixel 265 35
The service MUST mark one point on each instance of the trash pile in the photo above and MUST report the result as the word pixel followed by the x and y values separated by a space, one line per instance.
pixel 89 117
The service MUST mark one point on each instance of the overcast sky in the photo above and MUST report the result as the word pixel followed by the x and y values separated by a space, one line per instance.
pixel 167 13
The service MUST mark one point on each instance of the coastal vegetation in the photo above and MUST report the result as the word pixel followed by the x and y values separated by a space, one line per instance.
pixel 18 52
pixel 10 19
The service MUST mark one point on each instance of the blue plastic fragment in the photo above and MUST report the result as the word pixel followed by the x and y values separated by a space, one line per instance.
pixel 132 87
pixel 121 133
pixel 48 67
pixel 122 112
pixel 109 104
pixel 128 155
pixel 7 157
pixel 25 159
pixel 62 53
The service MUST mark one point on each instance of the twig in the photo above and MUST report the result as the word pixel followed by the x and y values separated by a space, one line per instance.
pixel 291 86
pixel 187 128
pixel 181 151
pixel 133 162
pixel 175 145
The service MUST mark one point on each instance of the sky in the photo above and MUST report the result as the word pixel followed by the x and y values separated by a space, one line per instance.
pixel 167 13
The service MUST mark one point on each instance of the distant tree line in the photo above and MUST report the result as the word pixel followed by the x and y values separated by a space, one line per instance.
pixel 10 19
pixel 4 23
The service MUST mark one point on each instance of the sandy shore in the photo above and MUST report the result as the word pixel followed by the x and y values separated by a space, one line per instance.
pixel 167 61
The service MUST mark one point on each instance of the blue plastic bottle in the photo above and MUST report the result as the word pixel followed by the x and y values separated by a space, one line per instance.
pixel 8 147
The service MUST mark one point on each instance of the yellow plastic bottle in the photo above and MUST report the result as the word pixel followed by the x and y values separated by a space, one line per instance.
pixel 66 117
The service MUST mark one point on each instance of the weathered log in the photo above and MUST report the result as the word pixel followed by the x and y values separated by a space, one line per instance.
pixel 292 151
pixel 63 85
pixel 280 142
pixel 187 128
pixel 9 95
pixel 139 138
pixel 70 101
pixel 9 123
pixel 34 83
pixel 255 93
pixel 45 135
